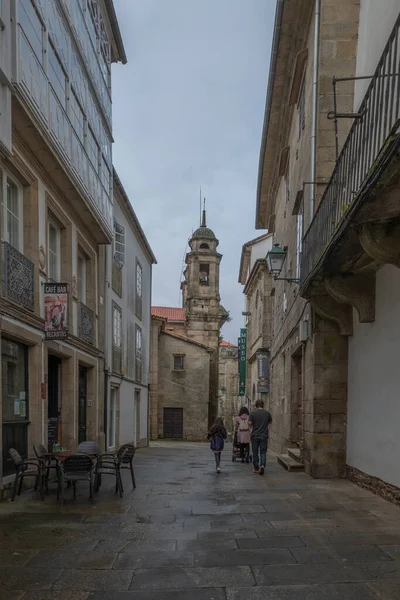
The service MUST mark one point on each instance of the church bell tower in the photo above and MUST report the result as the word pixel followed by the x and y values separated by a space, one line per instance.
pixel 201 298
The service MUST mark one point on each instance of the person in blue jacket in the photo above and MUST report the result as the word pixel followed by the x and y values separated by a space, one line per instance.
pixel 217 436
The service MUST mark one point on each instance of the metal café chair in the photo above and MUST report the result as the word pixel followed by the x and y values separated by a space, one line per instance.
pixel 47 463
pixel 109 464
pixel 78 467
pixel 26 468
pixel 127 459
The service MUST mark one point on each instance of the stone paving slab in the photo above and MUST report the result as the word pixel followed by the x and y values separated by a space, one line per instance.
pixel 305 592
pixel 187 534
pixel 164 579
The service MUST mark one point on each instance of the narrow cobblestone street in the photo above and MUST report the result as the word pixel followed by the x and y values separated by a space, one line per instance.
pixel 187 533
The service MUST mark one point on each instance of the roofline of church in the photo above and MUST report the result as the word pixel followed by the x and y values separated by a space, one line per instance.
pixel 183 338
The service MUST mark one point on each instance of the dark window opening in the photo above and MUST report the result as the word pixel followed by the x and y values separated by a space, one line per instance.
pixel 179 362
pixel 204 247
pixel 204 274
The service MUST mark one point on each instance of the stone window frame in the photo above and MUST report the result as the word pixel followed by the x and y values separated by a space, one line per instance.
pixel 138 290
pixel 117 334
pixel 138 354
pixel 89 254
pixel 179 356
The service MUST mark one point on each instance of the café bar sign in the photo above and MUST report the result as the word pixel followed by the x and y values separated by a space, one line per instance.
pixel 55 311
pixel 242 361
pixel 262 357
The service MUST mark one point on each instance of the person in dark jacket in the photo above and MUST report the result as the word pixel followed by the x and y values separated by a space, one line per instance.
pixel 217 436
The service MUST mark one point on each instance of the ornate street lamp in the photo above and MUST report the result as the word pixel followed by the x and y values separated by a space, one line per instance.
pixel 275 260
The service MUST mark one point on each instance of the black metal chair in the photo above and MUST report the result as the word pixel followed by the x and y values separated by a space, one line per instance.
pixel 109 464
pixel 88 447
pixel 26 468
pixel 47 463
pixel 78 467
pixel 127 459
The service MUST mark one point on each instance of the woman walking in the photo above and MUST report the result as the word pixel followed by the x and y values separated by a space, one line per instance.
pixel 242 429
pixel 217 435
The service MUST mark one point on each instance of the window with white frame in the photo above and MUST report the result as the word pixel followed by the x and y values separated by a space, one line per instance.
pixel 119 245
pixel 139 274
pixel 138 355
pixel 82 277
pixel 77 117
pixel 54 256
pixel 11 211
pixel 117 327
pixel 112 417
pixel 92 148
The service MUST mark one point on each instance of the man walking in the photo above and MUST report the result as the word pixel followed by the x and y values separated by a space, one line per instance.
pixel 259 421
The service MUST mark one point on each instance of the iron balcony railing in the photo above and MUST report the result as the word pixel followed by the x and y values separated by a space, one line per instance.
pixel 18 277
pixel 85 323
pixel 380 110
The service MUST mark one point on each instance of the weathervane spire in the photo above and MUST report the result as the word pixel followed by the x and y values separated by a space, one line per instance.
pixel 203 223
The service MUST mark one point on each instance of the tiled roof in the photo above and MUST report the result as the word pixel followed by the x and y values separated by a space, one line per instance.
pixel 168 312
pixel 226 344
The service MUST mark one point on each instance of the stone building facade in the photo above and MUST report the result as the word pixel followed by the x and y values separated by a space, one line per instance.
pixel 327 189
pixel 56 212
pixel 229 402
pixel 256 279
pixel 182 380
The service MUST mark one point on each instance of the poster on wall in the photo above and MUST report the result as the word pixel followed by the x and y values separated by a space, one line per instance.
pixel 55 311
pixel 242 361
pixel 262 357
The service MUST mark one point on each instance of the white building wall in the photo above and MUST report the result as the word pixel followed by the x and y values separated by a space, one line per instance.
pixel 373 443
pixel 133 425
pixel 260 250
pixel 377 19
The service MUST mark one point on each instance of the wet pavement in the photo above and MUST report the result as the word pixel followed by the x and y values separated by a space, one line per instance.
pixel 187 533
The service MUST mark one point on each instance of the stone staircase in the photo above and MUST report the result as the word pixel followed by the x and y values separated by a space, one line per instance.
pixel 292 460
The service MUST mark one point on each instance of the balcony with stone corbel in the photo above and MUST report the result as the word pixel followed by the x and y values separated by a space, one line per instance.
pixel 356 227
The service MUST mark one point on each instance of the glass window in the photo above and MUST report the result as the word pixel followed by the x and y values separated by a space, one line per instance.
pixel 13 214
pixel 92 148
pixel 299 243
pixel 112 414
pixel 14 366
pixel 57 76
pixel 301 108
pixel 119 244
pixel 81 278
pixel 179 362
pixel 77 117
pixel 138 355
pixel 138 280
pixel 32 27
pixel 117 327
pixel 54 252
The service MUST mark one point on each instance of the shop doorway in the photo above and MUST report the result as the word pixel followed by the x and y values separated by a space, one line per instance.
pixel 54 400
pixel 82 393
pixel 297 396
pixel 15 405
pixel 137 418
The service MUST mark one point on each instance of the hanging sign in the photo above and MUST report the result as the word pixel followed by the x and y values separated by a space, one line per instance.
pixel 242 361
pixel 55 311
pixel 262 357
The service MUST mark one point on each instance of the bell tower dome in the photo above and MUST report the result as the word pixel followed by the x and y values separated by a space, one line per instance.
pixel 201 287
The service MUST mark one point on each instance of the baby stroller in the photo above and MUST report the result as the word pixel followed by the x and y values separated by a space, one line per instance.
pixel 236 451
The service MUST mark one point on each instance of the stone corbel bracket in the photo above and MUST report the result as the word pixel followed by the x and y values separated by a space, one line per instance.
pixel 357 290
pixel 381 241
pixel 328 308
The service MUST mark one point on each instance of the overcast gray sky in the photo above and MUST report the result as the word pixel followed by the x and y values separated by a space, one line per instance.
pixel 188 111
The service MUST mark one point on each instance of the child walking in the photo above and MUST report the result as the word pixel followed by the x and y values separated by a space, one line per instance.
pixel 217 435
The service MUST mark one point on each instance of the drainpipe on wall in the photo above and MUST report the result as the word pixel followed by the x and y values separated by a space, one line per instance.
pixel 313 169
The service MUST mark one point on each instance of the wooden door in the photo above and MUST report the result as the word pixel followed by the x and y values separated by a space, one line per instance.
pixel 173 423
pixel 82 404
